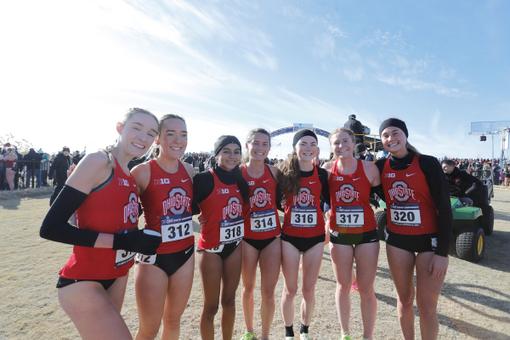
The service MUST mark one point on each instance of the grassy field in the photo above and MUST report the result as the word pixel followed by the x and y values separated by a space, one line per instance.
pixel 475 301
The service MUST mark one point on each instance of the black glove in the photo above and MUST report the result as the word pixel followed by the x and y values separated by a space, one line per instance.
pixel 143 241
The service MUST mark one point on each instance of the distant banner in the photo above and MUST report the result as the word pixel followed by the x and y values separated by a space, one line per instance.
pixel 297 127
pixel 488 127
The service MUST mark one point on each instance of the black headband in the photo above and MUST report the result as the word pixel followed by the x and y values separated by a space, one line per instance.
pixel 302 133
pixel 394 122
pixel 224 140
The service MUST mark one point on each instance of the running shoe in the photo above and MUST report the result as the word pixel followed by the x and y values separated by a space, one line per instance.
pixel 305 336
pixel 289 338
pixel 249 336
pixel 346 337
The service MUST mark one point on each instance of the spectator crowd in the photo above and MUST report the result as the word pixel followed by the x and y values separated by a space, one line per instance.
pixel 34 169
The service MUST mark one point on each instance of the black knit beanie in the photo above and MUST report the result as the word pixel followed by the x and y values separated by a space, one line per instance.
pixel 224 140
pixel 394 122
pixel 302 133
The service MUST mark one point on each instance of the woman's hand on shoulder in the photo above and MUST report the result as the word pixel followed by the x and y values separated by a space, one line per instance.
pixel 142 175
pixel 92 170
pixel 372 173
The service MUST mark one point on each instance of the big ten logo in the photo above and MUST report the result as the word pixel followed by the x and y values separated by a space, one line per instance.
pixel 401 192
pixel 260 198
pixel 389 175
pixel 339 178
pixel 346 193
pixel 223 191
pixel 161 181
pixel 251 183
pixel 131 209
pixel 233 209
pixel 177 202
pixel 123 182
pixel 304 198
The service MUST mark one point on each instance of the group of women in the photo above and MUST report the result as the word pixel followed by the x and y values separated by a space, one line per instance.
pixel 240 230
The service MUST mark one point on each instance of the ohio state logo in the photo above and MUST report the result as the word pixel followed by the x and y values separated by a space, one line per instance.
pixel 400 191
pixel 233 209
pixel 260 198
pixel 177 202
pixel 346 194
pixel 304 198
pixel 131 209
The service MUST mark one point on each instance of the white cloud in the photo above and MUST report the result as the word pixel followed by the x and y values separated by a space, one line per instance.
pixel 354 74
pixel 411 84
pixel 261 59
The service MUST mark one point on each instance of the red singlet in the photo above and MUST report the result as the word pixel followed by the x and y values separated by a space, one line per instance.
pixel 111 209
pixel 221 218
pixel 167 207
pixel 350 201
pixel 411 210
pixel 302 214
pixel 262 222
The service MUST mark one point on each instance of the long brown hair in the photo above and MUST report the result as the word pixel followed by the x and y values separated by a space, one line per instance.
pixel 289 174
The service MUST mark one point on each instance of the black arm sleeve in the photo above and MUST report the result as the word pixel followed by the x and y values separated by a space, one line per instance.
pixel 439 191
pixel 55 226
pixel 203 184
pixel 323 177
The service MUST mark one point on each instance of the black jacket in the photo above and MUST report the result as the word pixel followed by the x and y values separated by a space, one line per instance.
pixel 59 167
pixel 33 160
pixel 463 184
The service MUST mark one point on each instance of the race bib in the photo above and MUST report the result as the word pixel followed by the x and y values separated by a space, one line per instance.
pixel 263 221
pixel 303 217
pixel 405 215
pixel 123 256
pixel 145 259
pixel 231 231
pixel 176 228
pixel 350 217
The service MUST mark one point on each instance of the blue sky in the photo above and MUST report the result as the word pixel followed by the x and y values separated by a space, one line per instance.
pixel 70 69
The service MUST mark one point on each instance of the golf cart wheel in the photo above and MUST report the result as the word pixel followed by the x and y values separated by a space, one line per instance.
pixel 488 221
pixel 471 245
pixel 380 218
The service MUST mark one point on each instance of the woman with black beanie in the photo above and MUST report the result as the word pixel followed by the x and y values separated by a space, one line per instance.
pixel 219 195
pixel 419 224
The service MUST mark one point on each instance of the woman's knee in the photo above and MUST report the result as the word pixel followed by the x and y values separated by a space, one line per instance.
pixel 290 291
pixel 228 302
pixel 426 306
pixel 308 291
pixel 406 300
pixel 248 288
pixel 172 321
pixel 210 310
pixel 267 293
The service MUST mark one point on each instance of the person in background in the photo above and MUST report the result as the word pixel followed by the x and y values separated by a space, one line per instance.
pixel 10 159
pixel 58 171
